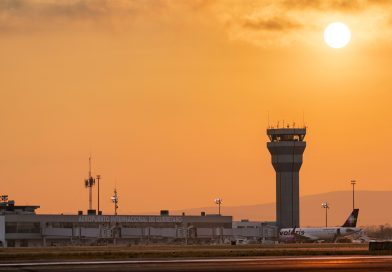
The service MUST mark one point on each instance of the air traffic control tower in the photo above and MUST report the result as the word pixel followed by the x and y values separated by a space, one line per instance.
pixel 286 146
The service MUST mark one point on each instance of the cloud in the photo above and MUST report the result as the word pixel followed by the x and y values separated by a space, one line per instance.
pixel 260 22
pixel 334 5
pixel 32 15
pixel 283 22
pixel 273 24
pixel 70 9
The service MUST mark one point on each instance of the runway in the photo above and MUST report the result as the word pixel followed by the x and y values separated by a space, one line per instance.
pixel 320 264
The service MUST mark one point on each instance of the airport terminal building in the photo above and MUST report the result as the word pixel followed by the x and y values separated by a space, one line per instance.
pixel 20 226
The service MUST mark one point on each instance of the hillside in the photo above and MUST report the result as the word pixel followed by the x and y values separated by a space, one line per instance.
pixel 373 207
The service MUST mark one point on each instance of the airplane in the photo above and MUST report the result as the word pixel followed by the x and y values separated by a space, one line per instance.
pixel 332 234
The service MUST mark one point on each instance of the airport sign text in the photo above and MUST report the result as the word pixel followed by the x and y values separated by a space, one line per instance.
pixel 129 219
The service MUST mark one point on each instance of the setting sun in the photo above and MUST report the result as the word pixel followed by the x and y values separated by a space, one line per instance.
pixel 337 35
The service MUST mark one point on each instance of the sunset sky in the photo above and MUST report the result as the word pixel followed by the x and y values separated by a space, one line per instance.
pixel 172 98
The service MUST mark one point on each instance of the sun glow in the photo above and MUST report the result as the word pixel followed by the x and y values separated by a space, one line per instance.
pixel 337 35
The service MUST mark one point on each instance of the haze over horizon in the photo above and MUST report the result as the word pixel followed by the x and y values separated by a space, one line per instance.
pixel 172 99
pixel 311 213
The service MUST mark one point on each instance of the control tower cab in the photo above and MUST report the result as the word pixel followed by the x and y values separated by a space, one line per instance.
pixel 287 146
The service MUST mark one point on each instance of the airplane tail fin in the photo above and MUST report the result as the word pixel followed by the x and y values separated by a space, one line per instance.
pixel 351 221
pixel 293 231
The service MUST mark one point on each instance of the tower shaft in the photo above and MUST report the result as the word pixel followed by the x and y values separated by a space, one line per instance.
pixel 286 147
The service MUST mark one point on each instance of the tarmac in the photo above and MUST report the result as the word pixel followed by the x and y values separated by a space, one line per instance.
pixel 320 264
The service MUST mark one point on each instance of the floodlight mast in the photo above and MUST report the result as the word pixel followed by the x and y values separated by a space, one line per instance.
pixel 218 201
pixel 325 205
pixel 89 183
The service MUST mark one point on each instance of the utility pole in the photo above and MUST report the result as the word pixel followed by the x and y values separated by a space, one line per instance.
pixel 219 201
pixel 98 179
pixel 353 182
pixel 326 207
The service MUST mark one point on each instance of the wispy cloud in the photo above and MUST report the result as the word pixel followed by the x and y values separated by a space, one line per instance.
pixel 273 24
pixel 284 22
pixel 31 15
pixel 333 5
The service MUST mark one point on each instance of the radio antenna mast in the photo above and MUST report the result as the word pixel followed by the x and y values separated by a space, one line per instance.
pixel 89 166
pixel 89 183
pixel 114 199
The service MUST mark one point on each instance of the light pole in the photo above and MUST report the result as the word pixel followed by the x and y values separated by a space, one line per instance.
pixel 326 207
pixel 353 182
pixel 218 201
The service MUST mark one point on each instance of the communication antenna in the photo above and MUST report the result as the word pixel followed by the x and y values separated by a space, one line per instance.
pixel 89 183
pixel 114 199
pixel 268 119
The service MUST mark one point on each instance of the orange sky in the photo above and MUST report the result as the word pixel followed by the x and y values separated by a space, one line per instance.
pixel 171 98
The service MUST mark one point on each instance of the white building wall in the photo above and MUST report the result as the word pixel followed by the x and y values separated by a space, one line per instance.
pixel 164 232
pixel 247 232
pixel 90 232
pixel 204 232
pixel 66 232
pixel 227 232
pixel 138 232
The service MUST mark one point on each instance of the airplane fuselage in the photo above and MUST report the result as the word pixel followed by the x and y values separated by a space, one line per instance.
pixel 315 234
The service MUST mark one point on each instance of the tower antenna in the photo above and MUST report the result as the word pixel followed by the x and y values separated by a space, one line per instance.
pixel 89 166
pixel 268 118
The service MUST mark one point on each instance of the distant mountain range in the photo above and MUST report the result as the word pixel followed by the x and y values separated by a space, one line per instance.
pixel 374 209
